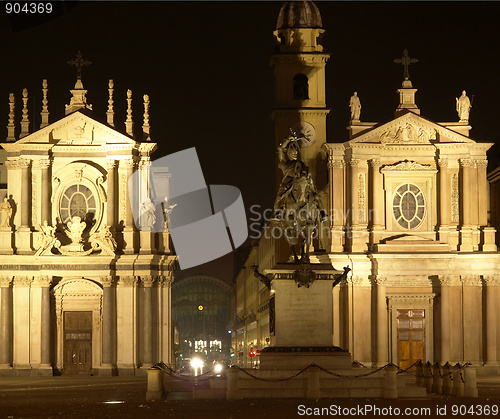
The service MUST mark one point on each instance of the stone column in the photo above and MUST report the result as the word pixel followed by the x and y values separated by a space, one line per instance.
pixel 354 191
pixel 44 283
pixel 336 315
pixel 445 282
pixel 108 330
pixel 129 229
pixel 444 193
pixel 336 168
pixel 111 201
pixel 126 319
pixel 147 361
pixel 382 326
pixel 46 192
pixel 467 200
pixel 491 320
pixel 25 164
pixel 6 323
pixel 483 186
pixel 164 290
pixel 376 214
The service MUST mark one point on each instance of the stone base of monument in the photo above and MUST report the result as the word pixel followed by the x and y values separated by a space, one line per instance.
pixel 302 361
pixel 285 358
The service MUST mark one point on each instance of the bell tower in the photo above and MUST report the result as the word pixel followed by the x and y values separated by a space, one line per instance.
pixel 299 76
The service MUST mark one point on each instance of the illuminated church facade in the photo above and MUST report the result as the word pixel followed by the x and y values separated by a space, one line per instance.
pixel 82 289
pixel 408 203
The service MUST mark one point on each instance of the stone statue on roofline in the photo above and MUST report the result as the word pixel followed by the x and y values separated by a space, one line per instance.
pixel 464 106
pixel 355 105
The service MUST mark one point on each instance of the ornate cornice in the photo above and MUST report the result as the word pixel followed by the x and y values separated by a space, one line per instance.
pixel 408 166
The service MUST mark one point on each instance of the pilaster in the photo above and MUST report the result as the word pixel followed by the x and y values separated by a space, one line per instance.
pixel 336 169
pixel 491 282
pixel 466 240
pixel 6 323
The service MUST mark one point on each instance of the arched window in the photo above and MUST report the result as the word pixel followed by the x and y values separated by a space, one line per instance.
pixel 300 87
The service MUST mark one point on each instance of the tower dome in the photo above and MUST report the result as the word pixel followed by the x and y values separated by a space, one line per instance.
pixel 299 14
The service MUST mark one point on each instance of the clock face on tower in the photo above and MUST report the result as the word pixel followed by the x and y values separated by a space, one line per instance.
pixel 308 132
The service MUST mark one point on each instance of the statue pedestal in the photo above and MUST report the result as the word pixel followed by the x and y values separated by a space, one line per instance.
pixel 301 319
pixel 147 241
pixel 6 241
pixel 24 241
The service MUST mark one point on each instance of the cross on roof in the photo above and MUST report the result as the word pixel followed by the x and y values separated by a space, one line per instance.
pixel 79 62
pixel 405 60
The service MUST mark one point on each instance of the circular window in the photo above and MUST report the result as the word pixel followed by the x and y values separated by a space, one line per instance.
pixel 408 206
pixel 78 201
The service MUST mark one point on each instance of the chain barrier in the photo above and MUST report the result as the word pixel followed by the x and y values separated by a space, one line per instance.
pixel 168 370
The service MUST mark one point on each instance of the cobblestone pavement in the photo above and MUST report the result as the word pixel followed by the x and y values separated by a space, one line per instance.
pixel 90 397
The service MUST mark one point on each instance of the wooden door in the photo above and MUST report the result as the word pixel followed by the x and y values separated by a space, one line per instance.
pixel 411 337
pixel 77 342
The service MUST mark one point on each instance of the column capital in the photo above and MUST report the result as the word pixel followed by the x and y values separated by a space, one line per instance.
pixel 148 280
pixel 354 162
pixel 43 164
pixel 378 280
pixel 5 281
pixel 107 281
pixel 43 281
pixel 127 281
pixel 335 164
pixel 481 163
pixel 375 163
pixel 447 280
pixel 127 164
pixel 466 163
pixel 22 281
pixel 443 162
pixel 491 280
pixel 471 280
pixel 12 164
pixel 24 163
pixel 165 280
pixel 111 164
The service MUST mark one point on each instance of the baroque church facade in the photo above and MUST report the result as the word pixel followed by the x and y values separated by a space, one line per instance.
pixel 408 203
pixel 83 289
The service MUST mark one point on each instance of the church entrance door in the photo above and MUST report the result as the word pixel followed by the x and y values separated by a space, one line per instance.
pixel 411 336
pixel 77 342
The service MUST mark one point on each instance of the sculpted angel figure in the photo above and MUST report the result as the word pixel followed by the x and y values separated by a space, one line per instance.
pixel 105 241
pixel 5 213
pixel 148 217
pixel 47 239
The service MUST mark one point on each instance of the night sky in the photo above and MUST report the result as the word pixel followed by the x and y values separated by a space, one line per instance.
pixel 205 66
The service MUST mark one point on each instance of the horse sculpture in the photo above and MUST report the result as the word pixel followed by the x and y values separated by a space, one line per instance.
pixel 301 214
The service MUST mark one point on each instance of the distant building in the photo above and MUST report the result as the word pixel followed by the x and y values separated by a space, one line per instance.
pixel 200 309
pixel 408 201
pixel 82 290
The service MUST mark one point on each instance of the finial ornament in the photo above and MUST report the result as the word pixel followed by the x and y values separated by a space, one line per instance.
pixel 129 124
pixel 110 113
pixel 25 123
pixel 45 103
pixel 145 126
pixel 405 60
pixel 10 126
pixel 79 62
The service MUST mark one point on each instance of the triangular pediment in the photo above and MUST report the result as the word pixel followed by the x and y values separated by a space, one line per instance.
pixel 408 129
pixel 78 129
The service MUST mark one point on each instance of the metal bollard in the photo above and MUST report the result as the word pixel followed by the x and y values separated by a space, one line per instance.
pixel 313 388
pixel 428 376
pixel 437 379
pixel 470 381
pixel 458 384
pixel 232 392
pixel 155 385
pixel 390 384
pixel 420 373
pixel 447 380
